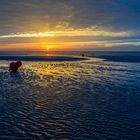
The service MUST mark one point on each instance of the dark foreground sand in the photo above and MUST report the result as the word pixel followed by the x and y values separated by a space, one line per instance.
pixel 81 100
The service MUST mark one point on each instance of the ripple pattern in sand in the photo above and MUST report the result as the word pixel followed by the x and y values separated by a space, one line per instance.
pixel 70 100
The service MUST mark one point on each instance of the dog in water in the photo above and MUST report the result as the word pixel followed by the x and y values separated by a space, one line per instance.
pixel 14 66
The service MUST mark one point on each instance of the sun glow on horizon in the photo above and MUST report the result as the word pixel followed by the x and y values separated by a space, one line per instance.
pixel 64 39
pixel 47 47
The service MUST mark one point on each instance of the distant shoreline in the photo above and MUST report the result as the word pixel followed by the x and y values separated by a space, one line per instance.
pixel 128 57
pixel 41 58
pixel 120 58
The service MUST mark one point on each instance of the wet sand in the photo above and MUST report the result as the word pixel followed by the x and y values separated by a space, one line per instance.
pixel 70 100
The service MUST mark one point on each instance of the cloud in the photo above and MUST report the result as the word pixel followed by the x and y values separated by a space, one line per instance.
pixel 70 33
pixel 75 20
pixel 40 15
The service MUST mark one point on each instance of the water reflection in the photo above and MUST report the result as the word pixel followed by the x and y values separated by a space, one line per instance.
pixel 67 100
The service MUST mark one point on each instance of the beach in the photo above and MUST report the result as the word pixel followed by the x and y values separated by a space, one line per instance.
pixel 75 99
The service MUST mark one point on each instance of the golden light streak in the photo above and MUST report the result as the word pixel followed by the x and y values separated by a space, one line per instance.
pixel 26 35
pixel 122 44
pixel 73 33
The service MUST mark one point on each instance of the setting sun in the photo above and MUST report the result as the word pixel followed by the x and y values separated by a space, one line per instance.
pixel 47 48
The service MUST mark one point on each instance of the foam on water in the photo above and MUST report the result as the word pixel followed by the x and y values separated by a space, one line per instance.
pixel 70 100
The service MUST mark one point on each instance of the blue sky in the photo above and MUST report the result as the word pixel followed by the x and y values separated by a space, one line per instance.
pixel 72 24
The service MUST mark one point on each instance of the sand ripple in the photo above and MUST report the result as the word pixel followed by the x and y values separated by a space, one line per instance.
pixel 71 100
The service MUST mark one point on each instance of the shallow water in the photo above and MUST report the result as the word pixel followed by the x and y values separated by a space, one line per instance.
pixel 71 100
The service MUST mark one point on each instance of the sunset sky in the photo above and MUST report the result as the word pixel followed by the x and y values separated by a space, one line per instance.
pixel 70 25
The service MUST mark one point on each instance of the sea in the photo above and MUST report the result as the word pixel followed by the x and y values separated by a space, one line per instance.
pixel 70 96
